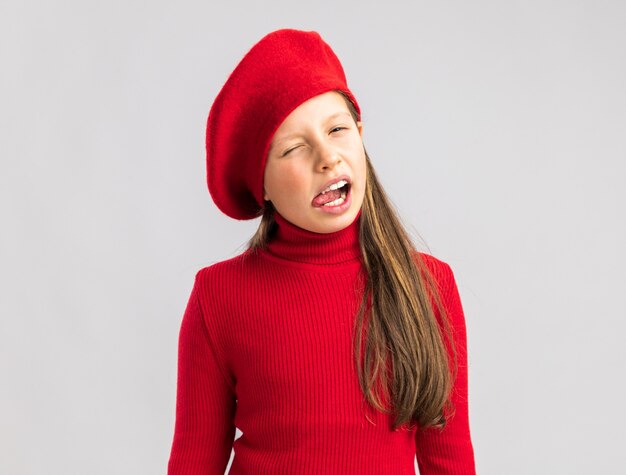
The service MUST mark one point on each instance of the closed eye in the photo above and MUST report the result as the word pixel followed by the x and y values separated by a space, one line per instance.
pixel 290 150
pixel 337 129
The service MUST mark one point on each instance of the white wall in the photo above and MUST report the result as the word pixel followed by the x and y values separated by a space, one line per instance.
pixel 497 127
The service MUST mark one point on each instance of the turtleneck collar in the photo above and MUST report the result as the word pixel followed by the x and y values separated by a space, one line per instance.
pixel 296 244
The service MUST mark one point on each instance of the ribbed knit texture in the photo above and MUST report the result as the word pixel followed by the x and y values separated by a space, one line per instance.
pixel 265 345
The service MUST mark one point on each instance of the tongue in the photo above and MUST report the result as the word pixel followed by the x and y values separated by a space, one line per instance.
pixel 327 197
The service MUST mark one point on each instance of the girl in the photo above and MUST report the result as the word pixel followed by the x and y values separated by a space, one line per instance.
pixel 333 345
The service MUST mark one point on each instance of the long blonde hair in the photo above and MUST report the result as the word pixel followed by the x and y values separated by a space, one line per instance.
pixel 403 351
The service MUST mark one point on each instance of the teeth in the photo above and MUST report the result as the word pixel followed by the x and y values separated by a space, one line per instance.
pixel 338 201
pixel 334 186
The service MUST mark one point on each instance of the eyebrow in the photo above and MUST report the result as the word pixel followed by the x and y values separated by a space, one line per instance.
pixel 337 114
pixel 328 119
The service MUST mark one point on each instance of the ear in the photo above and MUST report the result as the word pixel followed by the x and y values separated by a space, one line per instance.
pixel 359 125
pixel 265 196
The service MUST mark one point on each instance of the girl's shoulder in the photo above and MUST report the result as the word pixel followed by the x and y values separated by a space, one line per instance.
pixel 440 271
pixel 435 265
pixel 228 268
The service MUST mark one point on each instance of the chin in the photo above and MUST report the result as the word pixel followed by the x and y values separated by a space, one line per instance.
pixel 334 223
pixel 321 223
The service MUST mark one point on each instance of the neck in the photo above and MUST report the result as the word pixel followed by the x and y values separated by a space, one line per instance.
pixel 300 245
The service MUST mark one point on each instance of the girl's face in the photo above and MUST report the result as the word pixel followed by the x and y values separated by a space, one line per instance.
pixel 316 148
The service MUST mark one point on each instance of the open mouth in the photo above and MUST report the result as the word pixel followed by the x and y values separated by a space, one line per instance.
pixel 333 195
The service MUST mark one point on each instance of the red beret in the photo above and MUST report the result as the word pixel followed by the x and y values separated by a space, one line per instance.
pixel 280 72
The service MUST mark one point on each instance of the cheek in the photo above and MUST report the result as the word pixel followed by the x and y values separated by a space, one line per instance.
pixel 283 182
pixel 270 184
pixel 360 167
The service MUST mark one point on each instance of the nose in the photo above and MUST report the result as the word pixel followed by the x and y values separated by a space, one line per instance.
pixel 328 158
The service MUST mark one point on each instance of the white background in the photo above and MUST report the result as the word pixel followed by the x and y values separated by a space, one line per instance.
pixel 497 127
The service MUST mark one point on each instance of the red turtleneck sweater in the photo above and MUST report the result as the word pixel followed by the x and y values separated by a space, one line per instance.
pixel 265 345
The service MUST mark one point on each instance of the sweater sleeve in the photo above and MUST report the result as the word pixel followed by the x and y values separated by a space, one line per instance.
pixel 450 451
pixel 205 403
